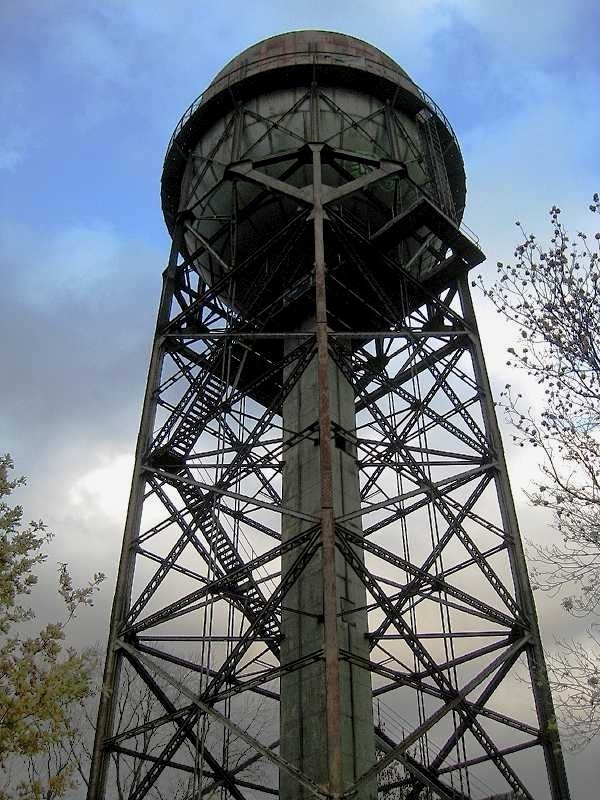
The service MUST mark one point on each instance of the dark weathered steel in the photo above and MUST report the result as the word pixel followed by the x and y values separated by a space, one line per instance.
pixel 330 609
pixel 535 654
pixel 97 781
pixel 320 506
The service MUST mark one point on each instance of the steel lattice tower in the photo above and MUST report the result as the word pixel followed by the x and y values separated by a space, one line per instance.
pixel 322 589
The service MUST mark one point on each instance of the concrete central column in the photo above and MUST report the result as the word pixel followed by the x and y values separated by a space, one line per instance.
pixel 303 729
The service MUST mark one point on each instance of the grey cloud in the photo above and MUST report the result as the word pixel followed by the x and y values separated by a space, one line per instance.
pixel 79 301
pixel 79 315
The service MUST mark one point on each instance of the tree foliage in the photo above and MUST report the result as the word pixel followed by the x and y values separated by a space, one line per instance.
pixel 48 690
pixel 551 292
pixel 41 678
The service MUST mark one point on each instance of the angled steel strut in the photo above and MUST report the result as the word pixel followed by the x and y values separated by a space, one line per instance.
pixel 322 589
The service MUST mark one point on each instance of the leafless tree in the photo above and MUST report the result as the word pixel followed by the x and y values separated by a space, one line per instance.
pixel 576 678
pixel 136 707
pixel 393 782
pixel 551 293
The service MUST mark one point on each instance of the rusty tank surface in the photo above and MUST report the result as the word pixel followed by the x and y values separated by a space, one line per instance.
pixel 260 113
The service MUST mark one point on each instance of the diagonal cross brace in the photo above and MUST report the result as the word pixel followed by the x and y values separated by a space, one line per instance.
pixel 225 722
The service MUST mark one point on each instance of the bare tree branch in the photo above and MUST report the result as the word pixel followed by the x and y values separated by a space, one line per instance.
pixel 551 293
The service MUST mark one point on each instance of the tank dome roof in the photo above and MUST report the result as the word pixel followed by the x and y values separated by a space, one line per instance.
pixel 306 47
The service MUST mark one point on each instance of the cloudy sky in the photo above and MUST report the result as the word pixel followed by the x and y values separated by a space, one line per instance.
pixel 89 94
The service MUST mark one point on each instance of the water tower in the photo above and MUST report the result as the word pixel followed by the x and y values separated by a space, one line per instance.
pixel 322 589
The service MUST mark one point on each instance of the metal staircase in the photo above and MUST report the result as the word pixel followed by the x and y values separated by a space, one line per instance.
pixel 243 591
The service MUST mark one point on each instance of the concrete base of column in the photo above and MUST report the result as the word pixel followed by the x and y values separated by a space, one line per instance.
pixel 303 721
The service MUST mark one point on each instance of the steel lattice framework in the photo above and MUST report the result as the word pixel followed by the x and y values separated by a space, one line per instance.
pixel 197 618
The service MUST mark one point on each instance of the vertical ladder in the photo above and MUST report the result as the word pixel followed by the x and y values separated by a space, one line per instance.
pixel 432 147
